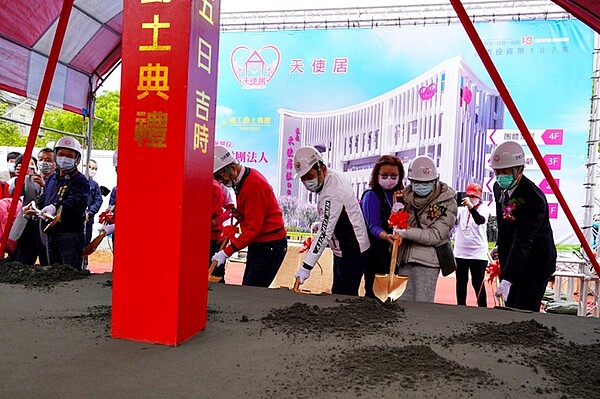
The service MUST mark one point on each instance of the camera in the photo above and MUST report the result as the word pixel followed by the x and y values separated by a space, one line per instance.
pixel 460 195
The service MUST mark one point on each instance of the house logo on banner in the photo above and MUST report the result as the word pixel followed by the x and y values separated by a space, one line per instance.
pixel 254 69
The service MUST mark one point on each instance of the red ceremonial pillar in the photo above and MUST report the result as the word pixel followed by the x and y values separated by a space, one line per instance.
pixel 166 137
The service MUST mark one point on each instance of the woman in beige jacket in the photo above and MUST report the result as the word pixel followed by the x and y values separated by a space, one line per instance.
pixel 434 204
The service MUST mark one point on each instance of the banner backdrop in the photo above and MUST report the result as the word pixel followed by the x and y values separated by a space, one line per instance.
pixel 547 66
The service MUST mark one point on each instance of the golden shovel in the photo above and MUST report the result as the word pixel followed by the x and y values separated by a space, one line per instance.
pixel 93 245
pixel 390 285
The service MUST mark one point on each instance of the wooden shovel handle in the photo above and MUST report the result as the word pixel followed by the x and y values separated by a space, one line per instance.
pixel 393 262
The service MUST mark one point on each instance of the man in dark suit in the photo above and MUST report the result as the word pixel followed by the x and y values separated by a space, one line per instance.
pixel 525 243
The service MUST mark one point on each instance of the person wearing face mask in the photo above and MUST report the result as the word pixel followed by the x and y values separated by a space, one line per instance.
pixel 94 203
pixel 46 164
pixel 341 223
pixel 471 246
pixel 525 245
pixel 11 159
pixel 66 189
pixel 432 207
pixel 28 244
pixel 376 203
pixel 261 221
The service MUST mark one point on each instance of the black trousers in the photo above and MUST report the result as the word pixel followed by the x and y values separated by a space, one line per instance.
pixel 30 246
pixel 527 294
pixel 477 268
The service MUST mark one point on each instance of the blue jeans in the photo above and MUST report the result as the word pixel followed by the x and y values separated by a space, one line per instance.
pixel 263 262
pixel 347 273
pixel 66 249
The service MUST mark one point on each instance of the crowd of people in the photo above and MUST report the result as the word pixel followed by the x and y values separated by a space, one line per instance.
pixel 57 206
pixel 361 239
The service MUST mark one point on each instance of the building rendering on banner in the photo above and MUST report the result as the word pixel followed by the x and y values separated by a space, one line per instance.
pixel 444 114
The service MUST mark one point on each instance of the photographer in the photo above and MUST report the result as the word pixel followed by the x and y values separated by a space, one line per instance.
pixel 470 246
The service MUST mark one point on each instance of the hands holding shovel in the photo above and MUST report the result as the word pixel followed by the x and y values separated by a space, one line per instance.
pixel 107 229
pixel 220 257
pixel 391 286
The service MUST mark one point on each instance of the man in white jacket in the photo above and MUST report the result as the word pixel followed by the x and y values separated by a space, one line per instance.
pixel 341 223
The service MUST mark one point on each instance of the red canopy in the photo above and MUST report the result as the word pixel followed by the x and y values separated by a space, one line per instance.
pixel 92 46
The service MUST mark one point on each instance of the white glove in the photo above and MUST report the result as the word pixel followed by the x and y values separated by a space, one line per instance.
pixel 302 273
pixel 49 209
pixel 503 289
pixel 494 253
pixel 108 229
pixel 400 232
pixel 398 206
pixel 315 227
pixel 220 257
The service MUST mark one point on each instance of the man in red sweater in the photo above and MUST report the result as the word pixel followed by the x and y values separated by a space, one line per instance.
pixel 261 220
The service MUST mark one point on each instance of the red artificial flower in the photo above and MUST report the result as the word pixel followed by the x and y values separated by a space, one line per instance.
pixel 493 269
pixel 228 232
pixel 107 216
pixel 306 244
pixel 399 220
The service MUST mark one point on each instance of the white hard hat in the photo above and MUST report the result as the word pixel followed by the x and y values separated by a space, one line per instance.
pixel 304 159
pixel 422 168
pixel 69 143
pixel 222 158
pixel 507 155
pixel 115 157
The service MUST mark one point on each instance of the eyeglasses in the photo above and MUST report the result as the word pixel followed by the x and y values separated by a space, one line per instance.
pixel 385 176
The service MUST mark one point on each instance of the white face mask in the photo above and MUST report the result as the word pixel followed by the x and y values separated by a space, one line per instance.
pixel 11 167
pixel 66 164
pixel 474 201
pixel 92 172
pixel 422 189
pixel 312 184
pixel 388 184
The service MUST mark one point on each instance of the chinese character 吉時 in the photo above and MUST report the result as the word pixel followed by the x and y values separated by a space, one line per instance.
pixel 201 137
pixel 202 100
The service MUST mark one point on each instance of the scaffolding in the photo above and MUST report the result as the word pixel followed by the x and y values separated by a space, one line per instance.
pixel 411 13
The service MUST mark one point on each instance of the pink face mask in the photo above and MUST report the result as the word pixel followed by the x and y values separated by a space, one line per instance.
pixel 388 184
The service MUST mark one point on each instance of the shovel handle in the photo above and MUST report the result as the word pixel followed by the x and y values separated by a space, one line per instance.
pixel 394 258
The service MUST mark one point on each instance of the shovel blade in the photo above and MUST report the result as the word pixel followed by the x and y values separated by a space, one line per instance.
pixel 384 289
pixel 91 247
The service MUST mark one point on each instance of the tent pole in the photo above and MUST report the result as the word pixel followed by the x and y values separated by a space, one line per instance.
pixel 592 163
pixel 59 36
pixel 90 126
pixel 514 112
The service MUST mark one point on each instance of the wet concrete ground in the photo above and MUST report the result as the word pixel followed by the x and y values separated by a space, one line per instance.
pixel 273 343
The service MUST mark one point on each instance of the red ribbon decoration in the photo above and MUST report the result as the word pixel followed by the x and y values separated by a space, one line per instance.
pixel 399 220
pixel 306 245
pixel 228 232
pixel 493 269
pixel 107 217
